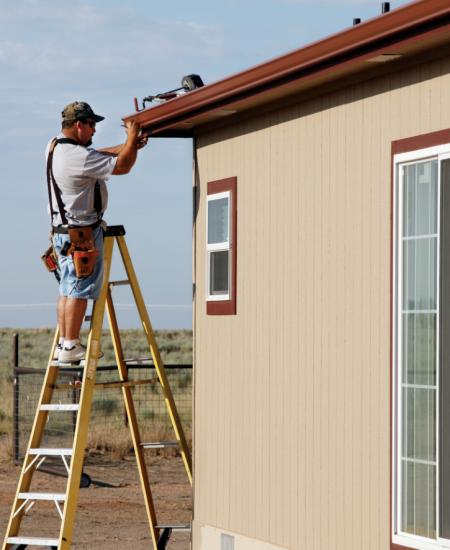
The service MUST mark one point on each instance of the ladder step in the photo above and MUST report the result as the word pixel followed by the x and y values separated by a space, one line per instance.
pixel 139 360
pixel 160 444
pixel 33 541
pixel 175 527
pixel 118 384
pixel 125 384
pixel 43 496
pixel 76 364
pixel 60 407
pixel 119 283
pixel 51 452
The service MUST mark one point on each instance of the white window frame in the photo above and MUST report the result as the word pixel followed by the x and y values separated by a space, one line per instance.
pixel 440 153
pixel 218 247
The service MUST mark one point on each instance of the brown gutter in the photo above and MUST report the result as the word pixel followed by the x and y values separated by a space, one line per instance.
pixel 410 23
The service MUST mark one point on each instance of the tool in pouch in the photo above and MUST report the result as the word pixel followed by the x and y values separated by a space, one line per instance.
pixel 82 245
pixel 50 259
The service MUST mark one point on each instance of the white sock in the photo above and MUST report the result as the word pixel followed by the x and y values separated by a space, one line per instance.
pixel 69 344
pixel 61 341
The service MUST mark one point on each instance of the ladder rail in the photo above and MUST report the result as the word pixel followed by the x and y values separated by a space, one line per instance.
pixel 156 356
pixel 132 419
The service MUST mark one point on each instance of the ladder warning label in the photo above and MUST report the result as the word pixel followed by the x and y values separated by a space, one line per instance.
pixel 90 373
pixel 93 361
pixel 94 345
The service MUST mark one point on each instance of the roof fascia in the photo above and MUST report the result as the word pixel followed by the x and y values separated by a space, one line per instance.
pixel 318 88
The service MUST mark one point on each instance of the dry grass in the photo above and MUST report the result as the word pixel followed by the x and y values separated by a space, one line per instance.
pixel 34 347
pixel 119 442
pixel 6 448
pixel 6 400
pixel 175 346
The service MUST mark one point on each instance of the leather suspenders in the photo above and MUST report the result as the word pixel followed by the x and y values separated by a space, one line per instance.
pixel 97 194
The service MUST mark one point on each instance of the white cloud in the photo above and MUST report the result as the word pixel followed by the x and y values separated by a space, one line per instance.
pixel 77 44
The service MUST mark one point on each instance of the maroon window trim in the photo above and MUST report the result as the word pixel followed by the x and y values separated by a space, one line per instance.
pixel 226 307
pixel 405 146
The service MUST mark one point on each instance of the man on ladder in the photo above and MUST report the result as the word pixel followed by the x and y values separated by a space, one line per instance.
pixel 85 207
pixel 78 197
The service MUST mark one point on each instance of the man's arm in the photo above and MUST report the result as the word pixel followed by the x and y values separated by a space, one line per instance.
pixel 115 151
pixel 127 153
pixel 112 151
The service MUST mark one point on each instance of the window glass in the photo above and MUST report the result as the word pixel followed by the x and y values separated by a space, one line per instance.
pixel 219 272
pixel 420 200
pixel 218 221
pixel 418 392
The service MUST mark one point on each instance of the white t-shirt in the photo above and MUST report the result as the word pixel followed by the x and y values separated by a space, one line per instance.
pixel 76 170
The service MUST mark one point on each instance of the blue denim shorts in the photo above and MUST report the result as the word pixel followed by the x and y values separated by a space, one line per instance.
pixel 72 286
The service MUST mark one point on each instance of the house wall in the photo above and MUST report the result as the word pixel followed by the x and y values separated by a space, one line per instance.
pixel 292 395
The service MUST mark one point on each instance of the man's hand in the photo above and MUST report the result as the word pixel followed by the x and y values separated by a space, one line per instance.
pixel 143 138
pixel 127 152
pixel 133 130
pixel 127 156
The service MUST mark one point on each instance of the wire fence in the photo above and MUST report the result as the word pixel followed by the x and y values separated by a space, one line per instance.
pixel 108 415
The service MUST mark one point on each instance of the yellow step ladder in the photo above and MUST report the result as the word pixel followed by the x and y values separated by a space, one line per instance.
pixel 34 452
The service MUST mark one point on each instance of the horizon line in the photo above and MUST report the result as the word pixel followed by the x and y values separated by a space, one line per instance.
pixel 121 306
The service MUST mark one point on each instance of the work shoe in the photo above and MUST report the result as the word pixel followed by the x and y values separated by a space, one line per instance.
pixel 58 350
pixel 75 353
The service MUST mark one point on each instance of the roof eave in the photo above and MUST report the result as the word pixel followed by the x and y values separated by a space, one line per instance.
pixel 413 22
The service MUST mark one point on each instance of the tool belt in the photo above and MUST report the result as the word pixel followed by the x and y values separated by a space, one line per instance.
pixel 82 244
pixel 64 230
pixel 82 248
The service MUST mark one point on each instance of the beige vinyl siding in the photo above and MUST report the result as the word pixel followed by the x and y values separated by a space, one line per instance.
pixel 292 395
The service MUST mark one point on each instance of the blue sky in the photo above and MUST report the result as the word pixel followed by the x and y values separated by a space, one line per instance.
pixel 107 52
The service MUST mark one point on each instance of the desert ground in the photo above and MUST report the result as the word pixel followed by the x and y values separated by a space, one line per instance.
pixel 111 512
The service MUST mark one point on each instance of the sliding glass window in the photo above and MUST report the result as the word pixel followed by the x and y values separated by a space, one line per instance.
pixel 421 510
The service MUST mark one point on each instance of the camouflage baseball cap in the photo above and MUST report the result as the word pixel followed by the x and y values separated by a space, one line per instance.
pixel 78 110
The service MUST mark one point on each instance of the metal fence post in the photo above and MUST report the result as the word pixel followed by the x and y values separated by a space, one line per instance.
pixel 16 400
pixel 125 416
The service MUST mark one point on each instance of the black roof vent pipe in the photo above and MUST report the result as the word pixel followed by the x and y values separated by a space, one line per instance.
pixel 356 21
pixel 385 7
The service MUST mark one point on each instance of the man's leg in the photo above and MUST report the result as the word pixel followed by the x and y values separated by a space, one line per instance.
pixel 78 290
pixel 62 316
pixel 74 311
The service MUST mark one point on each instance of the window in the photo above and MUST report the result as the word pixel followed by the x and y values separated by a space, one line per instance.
pixel 421 349
pixel 221 217
pixel 218 246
